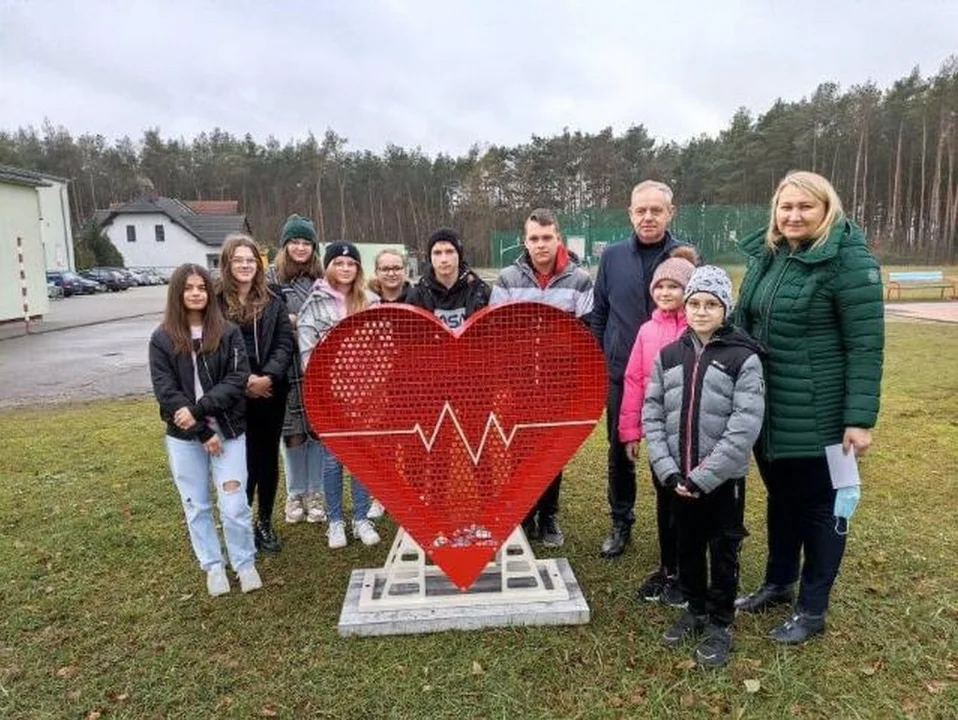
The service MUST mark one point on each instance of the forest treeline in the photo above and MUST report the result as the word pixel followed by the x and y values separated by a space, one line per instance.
pixel 891 153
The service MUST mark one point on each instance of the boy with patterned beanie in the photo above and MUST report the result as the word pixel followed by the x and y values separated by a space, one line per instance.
pixel 702 414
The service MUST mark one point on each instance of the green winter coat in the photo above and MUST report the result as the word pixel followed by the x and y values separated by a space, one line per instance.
pixel 820 314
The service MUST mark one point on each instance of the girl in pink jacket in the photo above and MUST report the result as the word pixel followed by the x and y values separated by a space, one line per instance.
pixel 666 326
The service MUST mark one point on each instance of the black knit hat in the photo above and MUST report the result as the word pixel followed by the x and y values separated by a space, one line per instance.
pixel 298 226
pixel 341 248
pixel 448 235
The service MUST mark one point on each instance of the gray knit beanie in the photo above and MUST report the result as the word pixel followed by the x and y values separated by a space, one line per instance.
pixel 713 280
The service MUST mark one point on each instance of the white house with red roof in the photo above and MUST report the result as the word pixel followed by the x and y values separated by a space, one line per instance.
pixel 161 232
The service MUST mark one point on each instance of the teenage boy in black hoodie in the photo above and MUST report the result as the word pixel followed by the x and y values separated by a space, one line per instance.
pixel 449 288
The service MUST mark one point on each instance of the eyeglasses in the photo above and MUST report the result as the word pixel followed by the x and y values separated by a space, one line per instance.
pixel 706 305
pixel 243 261
pixel 390 269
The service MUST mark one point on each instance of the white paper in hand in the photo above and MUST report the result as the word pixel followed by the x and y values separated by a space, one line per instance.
pixel 842 468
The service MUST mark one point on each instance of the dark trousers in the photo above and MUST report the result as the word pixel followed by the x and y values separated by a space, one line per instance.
pixel 621 488
pixel 264 425
pixel 548 503
pixel 711 528
pixel 801 520
pixel 665 500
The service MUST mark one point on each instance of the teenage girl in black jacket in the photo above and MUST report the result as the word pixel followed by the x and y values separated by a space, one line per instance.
pixel 199 371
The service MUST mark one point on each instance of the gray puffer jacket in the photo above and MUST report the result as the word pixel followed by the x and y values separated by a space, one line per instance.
pixel 704 407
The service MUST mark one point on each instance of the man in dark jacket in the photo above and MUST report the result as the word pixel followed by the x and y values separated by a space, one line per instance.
pixel 622 302
pixel 449 289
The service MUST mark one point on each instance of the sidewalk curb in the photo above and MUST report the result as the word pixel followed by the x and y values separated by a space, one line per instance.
pixel 102 321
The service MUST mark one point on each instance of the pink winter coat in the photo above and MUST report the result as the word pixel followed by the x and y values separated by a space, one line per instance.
pixel 662 329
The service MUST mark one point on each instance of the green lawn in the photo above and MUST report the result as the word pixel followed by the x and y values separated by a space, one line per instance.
pixel 105 612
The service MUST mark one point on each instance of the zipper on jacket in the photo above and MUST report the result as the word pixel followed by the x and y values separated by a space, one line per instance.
pixel 766 317
pixel 256 344
pixel 770 298
pixel 209 375
pixel 691 414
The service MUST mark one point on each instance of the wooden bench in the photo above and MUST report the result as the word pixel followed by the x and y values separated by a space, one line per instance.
pixel 911 280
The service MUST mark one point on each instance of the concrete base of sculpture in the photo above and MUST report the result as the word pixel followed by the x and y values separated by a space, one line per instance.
pixel 409 595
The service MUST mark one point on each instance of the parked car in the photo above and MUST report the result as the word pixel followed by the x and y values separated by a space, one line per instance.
pixel 155 277
pixel 113 281
pixel 90 286
pixel 148 276
pixel 70 283
pixel 139 277
pixel 130 277
pixel 54 291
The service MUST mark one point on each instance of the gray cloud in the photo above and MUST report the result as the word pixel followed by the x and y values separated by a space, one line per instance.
pixel 443 75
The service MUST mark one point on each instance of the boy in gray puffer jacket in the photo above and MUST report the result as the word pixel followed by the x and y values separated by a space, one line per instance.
pixel 703 412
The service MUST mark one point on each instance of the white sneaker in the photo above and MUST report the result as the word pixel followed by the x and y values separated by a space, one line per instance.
pixel 249 579
pixel 364 530
pixel 294 509
pixel 336 534
pixel 315 510
pixel 216 581
pixel 376 510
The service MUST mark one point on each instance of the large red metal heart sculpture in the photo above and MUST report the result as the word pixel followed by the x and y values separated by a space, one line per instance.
pixel 456 434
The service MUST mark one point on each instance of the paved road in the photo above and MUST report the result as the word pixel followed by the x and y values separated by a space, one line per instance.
pixel 946 312
pixel 86 348
pixel 83 310
pixel 103 361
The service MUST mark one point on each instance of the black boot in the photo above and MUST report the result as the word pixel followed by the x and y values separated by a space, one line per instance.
pixel 614 545
pixel 530 528
pixel 265 537
pixel 767 596
pixel 549 531
pixel 798 628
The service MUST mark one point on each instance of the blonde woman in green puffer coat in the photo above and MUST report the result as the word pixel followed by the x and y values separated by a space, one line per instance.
pixel 812 294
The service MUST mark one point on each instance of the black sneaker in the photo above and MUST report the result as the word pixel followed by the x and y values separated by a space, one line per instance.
pixel 714 649
pixel 798 628
pixel 651 589
pixel 672 594
pixel 688 625
pixel 550 533
pixel 265 537
pixel 767 596
pixel 531 530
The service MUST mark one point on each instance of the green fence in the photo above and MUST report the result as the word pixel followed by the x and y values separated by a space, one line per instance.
pixel 714 229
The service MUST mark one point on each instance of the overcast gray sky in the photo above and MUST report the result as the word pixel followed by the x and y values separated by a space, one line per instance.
pixel 444 74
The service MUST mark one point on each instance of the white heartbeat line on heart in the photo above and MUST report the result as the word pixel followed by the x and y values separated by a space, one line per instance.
pixel 492 423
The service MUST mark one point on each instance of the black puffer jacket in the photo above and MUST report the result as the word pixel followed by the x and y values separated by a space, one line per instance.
pixel 223 375
pixel 269 340
pixel 453 305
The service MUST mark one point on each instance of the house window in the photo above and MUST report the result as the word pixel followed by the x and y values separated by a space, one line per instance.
pixel 212 261
pixel 131 233
pixel 160 233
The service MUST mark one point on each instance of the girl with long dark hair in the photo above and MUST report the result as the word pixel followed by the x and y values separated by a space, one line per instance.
pixel 199 371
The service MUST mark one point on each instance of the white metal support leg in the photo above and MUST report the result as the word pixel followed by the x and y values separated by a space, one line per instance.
pixel 409 580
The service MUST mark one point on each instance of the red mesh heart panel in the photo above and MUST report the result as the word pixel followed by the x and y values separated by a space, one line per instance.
pixel 456 434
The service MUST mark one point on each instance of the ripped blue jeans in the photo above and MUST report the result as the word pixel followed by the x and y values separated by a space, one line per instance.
pixel 192 468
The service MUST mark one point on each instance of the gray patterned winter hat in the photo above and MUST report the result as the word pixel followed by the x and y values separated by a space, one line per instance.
pixel 713 280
